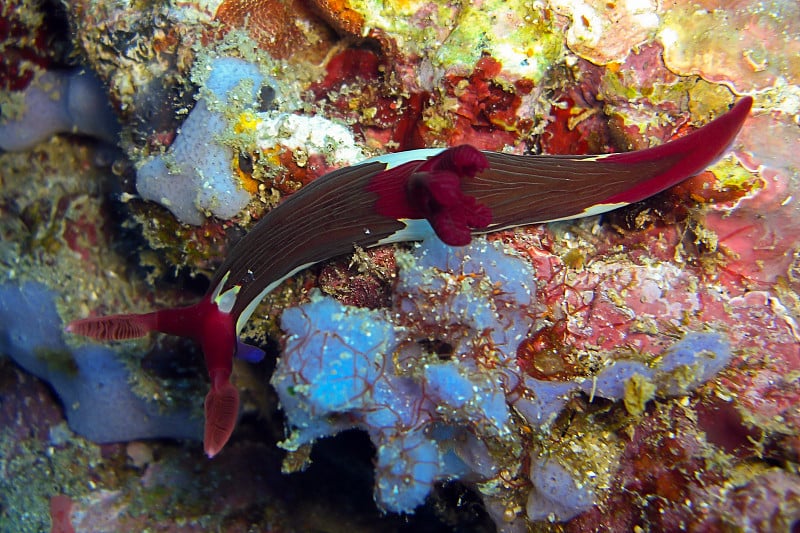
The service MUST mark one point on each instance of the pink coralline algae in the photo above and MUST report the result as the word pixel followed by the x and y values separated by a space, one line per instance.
pixel 60 511
pixel 745 44
pixel 27 48
pixel 607 31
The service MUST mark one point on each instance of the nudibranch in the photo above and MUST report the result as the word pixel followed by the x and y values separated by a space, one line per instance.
pixel 455 192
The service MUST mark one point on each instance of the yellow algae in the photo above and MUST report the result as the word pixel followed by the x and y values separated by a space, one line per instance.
pixel 451 35
pixel 708 100
pixel 638 391
pixel 245 175
pixel 519 36
pixel 731 175
pixel 248 122
pixel 416 25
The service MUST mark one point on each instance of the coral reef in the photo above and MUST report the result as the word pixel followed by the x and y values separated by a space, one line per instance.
pixel 30 42
pixel 283 28
pixel 557 377
pixel 435 411
pixel 719 53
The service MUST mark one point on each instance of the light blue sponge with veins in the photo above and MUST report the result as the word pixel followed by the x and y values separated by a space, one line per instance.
pixel 348 359
pixel 346 367
pixel 430 417
pixel 337 374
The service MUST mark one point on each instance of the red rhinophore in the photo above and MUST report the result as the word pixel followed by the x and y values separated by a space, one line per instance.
pixel 431 190
pixel 204 322
pixel 115 327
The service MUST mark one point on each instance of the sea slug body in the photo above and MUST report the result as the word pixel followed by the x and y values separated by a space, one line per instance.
pixel 453 193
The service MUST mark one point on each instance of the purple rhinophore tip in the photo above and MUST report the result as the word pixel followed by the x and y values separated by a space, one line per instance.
pixel 249 353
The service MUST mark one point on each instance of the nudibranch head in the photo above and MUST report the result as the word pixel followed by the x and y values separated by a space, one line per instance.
pixel 208 322
pixel 431 189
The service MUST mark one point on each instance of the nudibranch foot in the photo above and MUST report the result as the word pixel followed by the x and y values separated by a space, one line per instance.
pixel 431 189
pixel 246 352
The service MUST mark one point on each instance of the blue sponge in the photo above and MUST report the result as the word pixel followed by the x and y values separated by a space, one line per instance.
pixel 93 384
pixel 347 367
pixel 195 175
pixel 61 102
pixel 431 417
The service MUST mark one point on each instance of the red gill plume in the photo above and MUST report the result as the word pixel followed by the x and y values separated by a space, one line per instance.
pixel 431 189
